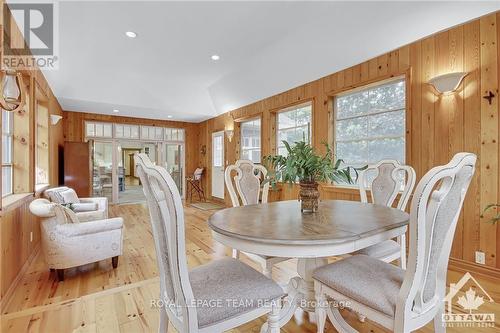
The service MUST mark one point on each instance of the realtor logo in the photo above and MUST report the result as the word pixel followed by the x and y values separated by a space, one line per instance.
pixel 31 35
pixel 470 302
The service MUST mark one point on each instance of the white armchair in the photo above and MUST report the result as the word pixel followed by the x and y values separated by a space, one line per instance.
pixel 87 209
pixel 68 242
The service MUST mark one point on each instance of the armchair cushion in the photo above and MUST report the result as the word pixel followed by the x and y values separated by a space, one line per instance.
pixel 228 280
pixel 84 207
pixel 91 227
pixel 364 279
pixel 69 196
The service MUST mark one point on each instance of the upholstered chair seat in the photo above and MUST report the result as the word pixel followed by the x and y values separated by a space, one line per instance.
pixel 238 287
pixel 87 209
pixel 389 249
pixel 364 279
pixel 68 242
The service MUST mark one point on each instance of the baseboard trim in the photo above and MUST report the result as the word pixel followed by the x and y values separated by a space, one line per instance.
pixel 473 268
pixel 4 302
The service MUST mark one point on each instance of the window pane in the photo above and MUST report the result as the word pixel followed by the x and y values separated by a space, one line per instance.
pixel 99 130
pixel 7 122
pixel 352 129
pixel 355 152
pixel 6 180
pixel 119 131
pixel 134 132
pixel 352 104
pixel 159 133
pixel 388 97
pixel 387 124
pixel 6 149
pixel 217 153
pixel 383 149
pixel 90 129
pixel 108 129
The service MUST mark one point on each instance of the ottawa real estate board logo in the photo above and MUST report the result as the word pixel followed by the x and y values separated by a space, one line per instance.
pixel 470 296
pixel 31 35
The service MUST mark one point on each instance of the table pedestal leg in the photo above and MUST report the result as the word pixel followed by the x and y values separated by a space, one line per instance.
pixel 300 292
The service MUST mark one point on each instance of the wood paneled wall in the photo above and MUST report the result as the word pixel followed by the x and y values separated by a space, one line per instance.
pixel 74 130
pixel 438 126
pixel 19 229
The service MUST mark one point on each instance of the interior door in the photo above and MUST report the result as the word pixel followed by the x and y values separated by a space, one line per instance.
pixel 218 164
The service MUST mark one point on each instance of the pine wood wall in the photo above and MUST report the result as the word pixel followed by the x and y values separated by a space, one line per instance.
pixel 437 126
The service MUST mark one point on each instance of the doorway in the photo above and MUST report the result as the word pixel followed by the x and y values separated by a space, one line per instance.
pixel 218 164
pixel 129 186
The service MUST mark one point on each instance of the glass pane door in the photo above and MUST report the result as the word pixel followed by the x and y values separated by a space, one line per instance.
pixel 129 186
pixel 174 160
pixel 102 175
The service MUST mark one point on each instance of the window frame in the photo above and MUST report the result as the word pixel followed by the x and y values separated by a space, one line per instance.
pixel 10 134
pixel 378 81
pixel 38 138
pixel 241 138
pixel 292 107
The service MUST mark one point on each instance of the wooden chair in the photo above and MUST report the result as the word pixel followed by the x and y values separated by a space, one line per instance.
pixel 195 184
pixel 200 300
pixel 390 179
pixel 403 301
pixel 248 179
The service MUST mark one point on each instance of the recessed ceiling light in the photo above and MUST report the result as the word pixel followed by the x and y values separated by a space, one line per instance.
pixel 215 57
pixel 116 110
pixel 169 116
pixel 131 34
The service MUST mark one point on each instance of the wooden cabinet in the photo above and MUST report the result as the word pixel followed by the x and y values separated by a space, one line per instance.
pixel 78 167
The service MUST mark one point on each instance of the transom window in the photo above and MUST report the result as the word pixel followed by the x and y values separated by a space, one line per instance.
pixel 293 124
pixel 370 124
pixel 7 145
pixel 133 132
pixel 250 140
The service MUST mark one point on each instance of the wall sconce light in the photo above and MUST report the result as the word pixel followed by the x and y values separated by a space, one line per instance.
pixel 203 150
pixel 229 134
pixel 447 83
pixel 54 119
pixel 12 94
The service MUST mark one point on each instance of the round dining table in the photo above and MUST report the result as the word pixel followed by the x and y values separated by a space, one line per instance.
pixel 280 229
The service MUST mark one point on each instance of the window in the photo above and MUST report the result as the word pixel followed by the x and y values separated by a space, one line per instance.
pixel 174 134
pixel 151 133
pixel 217 151
pixel 370 124
pixel 250 143
pixel 293 124
pixel 99 130
pixel 42 144
pixel 7 145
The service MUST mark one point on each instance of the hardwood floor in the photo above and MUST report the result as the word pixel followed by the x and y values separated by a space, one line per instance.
pixel 96 298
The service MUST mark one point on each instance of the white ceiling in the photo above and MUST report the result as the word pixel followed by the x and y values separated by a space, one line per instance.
pixel 265 48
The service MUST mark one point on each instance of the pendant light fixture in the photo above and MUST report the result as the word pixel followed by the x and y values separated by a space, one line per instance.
pixel 12 94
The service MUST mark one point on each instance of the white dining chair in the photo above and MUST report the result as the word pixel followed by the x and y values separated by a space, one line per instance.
pixel 214 297
pixel 250 190
pixel 386 180
pixel 403 300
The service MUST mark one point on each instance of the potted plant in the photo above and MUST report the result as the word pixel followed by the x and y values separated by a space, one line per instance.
pixel 304 165
pixel 489 207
